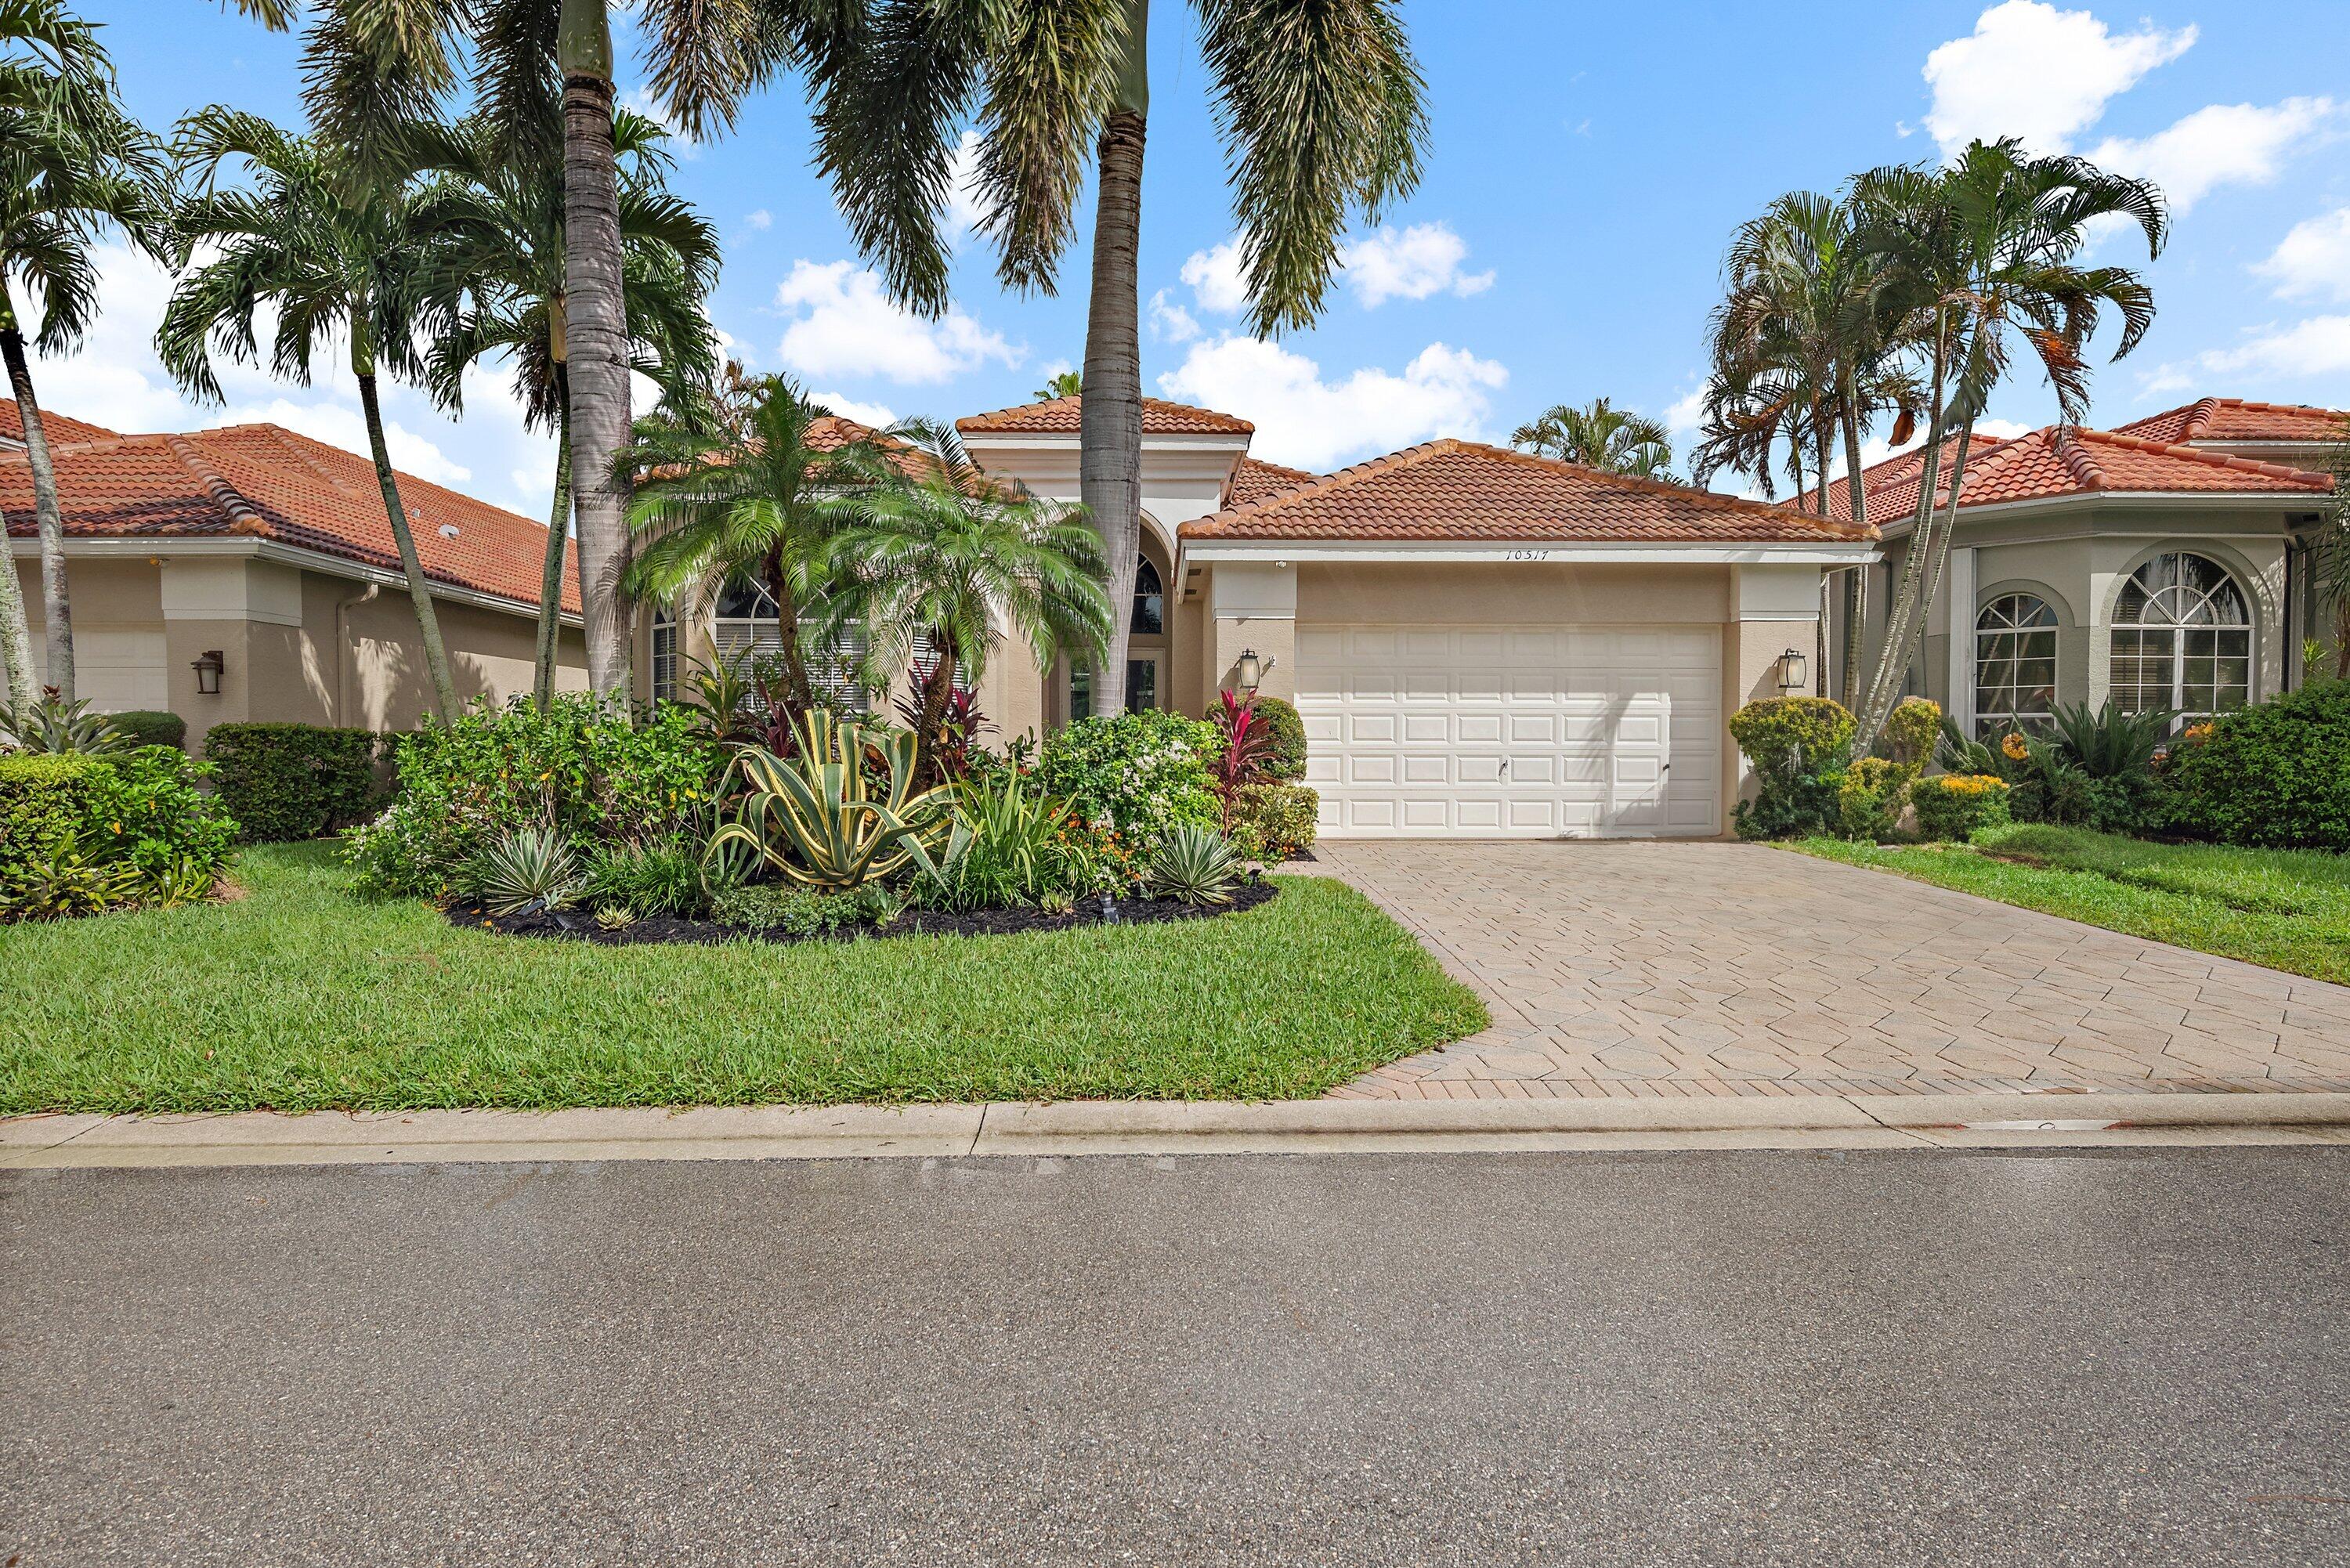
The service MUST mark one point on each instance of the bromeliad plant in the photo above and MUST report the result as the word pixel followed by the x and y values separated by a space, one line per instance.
pixel 841 813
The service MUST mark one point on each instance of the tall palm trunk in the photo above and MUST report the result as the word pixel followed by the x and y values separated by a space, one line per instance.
pixel 56 610
pixel 935 691
pixel 1109 475
pixel 599 338
pixel 1892 660
pixel 427 624
pixel 1856 578
pixel 558 523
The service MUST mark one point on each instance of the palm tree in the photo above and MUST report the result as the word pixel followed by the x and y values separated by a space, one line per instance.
pixel 946 555
pixel 492 280
pixel 74 167
pixel 1977 253
pixel 1600 436
pixel 1061 384
pixel 330 252
pixel 540 62
pixel 759 504
pixel 1320 107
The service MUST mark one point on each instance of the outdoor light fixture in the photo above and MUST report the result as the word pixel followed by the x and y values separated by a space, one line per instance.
pixel 208 673
pixel 1251 670
pixel 1791 670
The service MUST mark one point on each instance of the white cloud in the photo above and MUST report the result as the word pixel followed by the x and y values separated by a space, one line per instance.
pixel 2032 71
pixel 1215 278
pixel 1687 413
pixel 2220 144
pixel 2319 345
pixel 642 100
pixel 2313 260
pixel 1410 264
pixel 1170 322
pixel 762 219
pixel 875 414
pixel 1304 419
pixel 845 326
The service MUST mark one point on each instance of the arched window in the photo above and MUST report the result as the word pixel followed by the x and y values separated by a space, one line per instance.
pixel 1150 601
pixel 2182 639
pixel 2015 664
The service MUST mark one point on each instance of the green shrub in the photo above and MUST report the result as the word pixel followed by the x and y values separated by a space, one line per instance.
pixel 1010 845
pixel 1911 729
pixel 805 911
pixel 1874 791
pixel 1800 747
pixel 152 727
pixel 1954 805
pixel 1284 759
pixel 1274 821
pixel 2275 777
pixel 581 768
pixel 1146 773
pixel 128 827
pixel 662 877
pixel 1193 865
pixel 284 782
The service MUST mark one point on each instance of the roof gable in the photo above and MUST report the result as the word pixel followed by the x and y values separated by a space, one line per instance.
pixel 1457 490
pixel 2237 419
pixel 1062 416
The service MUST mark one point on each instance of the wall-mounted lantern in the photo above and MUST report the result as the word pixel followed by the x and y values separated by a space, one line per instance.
pixel 208 673
pixel 1249 672
pixel 1793 669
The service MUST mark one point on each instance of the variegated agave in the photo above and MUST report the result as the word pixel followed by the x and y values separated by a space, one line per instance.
pixel 822 818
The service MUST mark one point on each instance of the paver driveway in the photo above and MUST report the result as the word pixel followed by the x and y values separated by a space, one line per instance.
pixel 1617 968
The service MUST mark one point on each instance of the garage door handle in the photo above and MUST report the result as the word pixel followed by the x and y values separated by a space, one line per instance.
pixel 1505 770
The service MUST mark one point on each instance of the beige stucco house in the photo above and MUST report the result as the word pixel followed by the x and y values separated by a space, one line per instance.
pixel 270 551
pixel 2164 565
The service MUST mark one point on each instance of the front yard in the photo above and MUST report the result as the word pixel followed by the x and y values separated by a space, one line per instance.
pixel 2285 909
pixel 302 996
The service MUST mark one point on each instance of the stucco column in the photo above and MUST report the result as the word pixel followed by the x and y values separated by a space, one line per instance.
pixel 1958 594
pixel 215 603
pixel 1252 607
pixel 1777 609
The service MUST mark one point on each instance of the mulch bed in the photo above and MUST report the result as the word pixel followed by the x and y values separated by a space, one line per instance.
pixel 579 925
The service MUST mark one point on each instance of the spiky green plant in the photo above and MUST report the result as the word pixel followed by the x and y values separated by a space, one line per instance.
pixel 839 814
pixel 54 724
pixel 1193 865
pixel 530 866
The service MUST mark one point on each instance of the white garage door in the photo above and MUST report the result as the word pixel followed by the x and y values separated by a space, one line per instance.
pixel 1528 731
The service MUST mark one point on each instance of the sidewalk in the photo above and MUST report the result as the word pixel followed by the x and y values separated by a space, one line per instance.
pixel 1146 1128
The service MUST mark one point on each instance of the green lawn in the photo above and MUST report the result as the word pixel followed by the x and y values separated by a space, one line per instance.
pixel 301 997
pixel 2287 909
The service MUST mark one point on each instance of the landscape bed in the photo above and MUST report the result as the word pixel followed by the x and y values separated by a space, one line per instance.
pixel 302 996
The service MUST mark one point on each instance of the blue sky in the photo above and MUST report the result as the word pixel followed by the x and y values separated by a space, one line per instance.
pixel 1589 164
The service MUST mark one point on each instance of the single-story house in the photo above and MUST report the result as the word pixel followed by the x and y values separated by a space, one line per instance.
pixel 1482 643
pixel 271 550
pixel 2166 564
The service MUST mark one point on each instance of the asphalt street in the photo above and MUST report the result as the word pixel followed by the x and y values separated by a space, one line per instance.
pixel 2137 1357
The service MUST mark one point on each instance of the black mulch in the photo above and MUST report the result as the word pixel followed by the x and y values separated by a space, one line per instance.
pixel 579 925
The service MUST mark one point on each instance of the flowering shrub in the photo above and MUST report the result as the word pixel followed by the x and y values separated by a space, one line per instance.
pixel 580 768
pixel 1145 772
pixel 1869 801
pixel 1954 805
pixel 1273 821
pixel 128 827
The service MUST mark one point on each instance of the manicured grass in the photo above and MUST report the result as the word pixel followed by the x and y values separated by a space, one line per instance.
pixel 302 996
pixel 2287 909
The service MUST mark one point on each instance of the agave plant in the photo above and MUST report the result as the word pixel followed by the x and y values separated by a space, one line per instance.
pixel 840 813
pixel 1193 865
pixel 529 868
pixel 51 725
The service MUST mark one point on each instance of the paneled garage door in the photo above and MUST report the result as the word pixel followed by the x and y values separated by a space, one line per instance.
pixel 1525 731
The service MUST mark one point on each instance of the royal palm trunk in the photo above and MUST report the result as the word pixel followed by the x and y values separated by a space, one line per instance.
pixel 56 608
pixel 596 330
pixel 1110 425
pixel 1856 578
pixel 558 523
pixel 427 624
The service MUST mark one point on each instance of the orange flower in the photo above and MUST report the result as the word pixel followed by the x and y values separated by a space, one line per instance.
pixel 2015 748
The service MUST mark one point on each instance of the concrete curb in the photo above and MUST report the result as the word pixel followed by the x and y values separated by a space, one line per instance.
pixel 1092 1127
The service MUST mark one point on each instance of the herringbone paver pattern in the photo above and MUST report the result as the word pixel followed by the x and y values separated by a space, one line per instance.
pixel 1655 968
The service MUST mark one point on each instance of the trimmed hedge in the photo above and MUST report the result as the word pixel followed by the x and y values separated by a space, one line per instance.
pixel 287 782
pixel 151 727
pixel 1954 805
pixel 2276 776
pixel 44 796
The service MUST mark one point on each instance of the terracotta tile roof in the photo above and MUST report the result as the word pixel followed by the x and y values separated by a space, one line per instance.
pixel 1893 483
pixel 1060 417
pixel 2234 420
pixel 57 427
pixel 1254 479
pixel 266 482
pixel 1463 490
pixel 2055 461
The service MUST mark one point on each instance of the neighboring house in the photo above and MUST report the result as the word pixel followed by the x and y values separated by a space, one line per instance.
pixel 2164 565
pixel 272 551
pixel 1482 643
